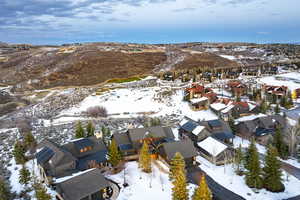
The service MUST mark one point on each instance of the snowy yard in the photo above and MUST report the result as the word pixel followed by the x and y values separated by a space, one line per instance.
pixel 135 102
pixel 226 176
pixel 145 186
pixel 290 80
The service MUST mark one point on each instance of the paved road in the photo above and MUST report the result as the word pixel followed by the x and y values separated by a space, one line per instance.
pixel 292 170
pixel 219 192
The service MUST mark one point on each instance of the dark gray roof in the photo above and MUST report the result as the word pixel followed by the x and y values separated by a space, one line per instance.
pixel 223 135
pixel 155 131
pixel 185 147
pixel 121 138
pixel 44 155
pixel 60 157
pixel 189 126
pixel 82 185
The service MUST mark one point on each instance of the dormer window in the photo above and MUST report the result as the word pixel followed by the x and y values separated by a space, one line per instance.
pixel 85 149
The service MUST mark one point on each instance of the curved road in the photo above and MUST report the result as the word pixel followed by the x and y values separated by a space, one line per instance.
pixel 219 192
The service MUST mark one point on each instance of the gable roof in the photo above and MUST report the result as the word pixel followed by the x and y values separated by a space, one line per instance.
pixel 198 130
pixel 82 185
pixel 44 155
pixel 189 126
pixel 155 131
pixel 121 138
pixel 185 147
pixel 212 146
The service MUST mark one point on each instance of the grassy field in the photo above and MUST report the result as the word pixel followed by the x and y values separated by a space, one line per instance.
pixel 124 80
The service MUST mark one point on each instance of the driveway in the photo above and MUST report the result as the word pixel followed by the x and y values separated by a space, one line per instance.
pixel 219 192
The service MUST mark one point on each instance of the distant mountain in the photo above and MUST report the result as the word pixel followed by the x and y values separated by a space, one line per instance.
pixel 3 44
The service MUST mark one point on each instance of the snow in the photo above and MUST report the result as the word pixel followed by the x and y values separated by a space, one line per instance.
pixel 227 109
pixel 237 141
pixel 155 185
pixel 137 102
pixel 290 80
pixel 14 177
pixel 212 146
pixel 183 122
pixel 193 101
pixel 228 57
pixel 63 179
pixel 250 117
pixel 226 176
pixel 218 106
pixel 198 129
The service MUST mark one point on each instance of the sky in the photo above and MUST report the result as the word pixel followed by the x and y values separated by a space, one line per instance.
pixel 149 21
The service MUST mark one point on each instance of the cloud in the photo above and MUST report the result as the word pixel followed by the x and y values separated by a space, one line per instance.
pixel 184 9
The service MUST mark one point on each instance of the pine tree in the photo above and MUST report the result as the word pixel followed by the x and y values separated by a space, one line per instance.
pixel 177 163
pixel 79 130
pixel 179 190
pixel 202 192
pixel 277 109
pixel 272 174
pixel 29 140
pixel 145 158
pixel 279 144
pixel 4 190
pixel 253 175
pixel 24 176
pixel 19 153
pixel 114 155
pixel 238 159
pixel 263 106
pixel 90 129
pixel 41 192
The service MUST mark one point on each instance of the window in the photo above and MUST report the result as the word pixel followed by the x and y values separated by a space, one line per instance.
pixel 85 149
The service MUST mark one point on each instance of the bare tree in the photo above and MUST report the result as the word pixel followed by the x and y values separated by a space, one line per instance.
pixel 96 111
pixel 293 135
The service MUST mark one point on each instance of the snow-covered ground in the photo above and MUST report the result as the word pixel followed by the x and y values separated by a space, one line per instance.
pixel 290 80
pixel 14 178
pixel 228 57
pixel 133 102
pixel 226 176
pixel 155 185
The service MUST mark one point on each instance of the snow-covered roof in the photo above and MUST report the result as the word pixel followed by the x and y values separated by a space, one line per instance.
pixel 198 100
pixel 184 121
pixel 250 117
pixel 251 106
pixel 198 129
pixel 212 146
pixel 228 108
pixel 218 106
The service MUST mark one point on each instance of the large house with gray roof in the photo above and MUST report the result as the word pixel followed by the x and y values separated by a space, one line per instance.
pixel 199 131
pixel 56 161
pixel 261 128
pixel 185 147
pixel 89 185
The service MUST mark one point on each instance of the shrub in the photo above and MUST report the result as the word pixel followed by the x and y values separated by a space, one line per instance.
pixel 96 111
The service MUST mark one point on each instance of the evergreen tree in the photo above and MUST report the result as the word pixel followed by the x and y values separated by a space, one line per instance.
pixel 19 153
pixel 24 176
pixel 90 129
pixel 232 125
pixel 29 140
pixel 114 155
pixel 4 190
pixel 283 101
pixel 272 174
pixel 263 106
pixel 238 159
pixel 202 192
pixel 177 163
pixel 145 158
pixel 79 130
pixel 253 175
pixel 279 144
pixel 179 190
pixel 277 109
pixel 274 99
pixel 41 192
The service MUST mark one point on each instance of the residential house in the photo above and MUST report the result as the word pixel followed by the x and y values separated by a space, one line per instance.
pixel 153 135
pixel 89 185
pixel 199 104
pixel 198 92
pixel 191 129
pixel 125 145
pixel 62 160
pixel 215 151
pixel 237 88
pixel 261 128
pixel 185 147
pixel 219 129
pixel 269 91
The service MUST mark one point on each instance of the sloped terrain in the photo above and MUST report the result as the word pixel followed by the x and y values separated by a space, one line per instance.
pixel 89 64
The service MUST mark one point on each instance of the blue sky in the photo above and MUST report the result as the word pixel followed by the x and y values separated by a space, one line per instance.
pixel 149 21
